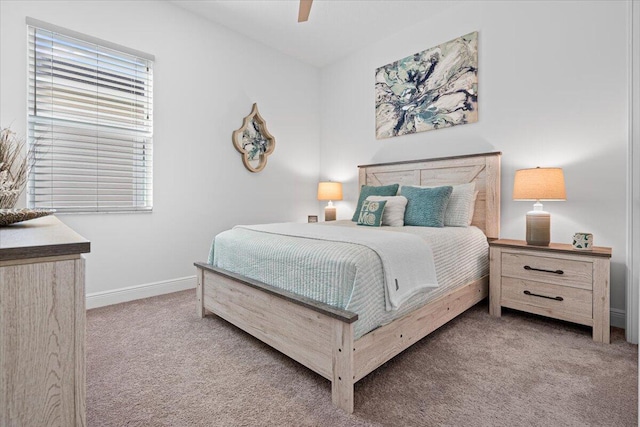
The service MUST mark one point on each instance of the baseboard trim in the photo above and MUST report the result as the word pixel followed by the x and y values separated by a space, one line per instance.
pixel 116 296
pixel 618 318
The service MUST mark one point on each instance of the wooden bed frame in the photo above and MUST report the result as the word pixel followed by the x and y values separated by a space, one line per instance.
pixel 321 337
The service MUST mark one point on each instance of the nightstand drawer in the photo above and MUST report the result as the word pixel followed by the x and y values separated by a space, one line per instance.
pixel 562 302
pixel 558 271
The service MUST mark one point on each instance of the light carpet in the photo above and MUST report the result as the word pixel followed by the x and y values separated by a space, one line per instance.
pixel 152 362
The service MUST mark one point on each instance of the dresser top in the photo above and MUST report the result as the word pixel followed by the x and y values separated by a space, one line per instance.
pixel 38 238
pixel 600 251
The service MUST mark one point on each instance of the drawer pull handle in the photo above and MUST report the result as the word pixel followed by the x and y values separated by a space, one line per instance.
pixel 526 267
pixel 543 296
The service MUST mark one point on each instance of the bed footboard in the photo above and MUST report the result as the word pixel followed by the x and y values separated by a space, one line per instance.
pixel 319 336
pixel 314 334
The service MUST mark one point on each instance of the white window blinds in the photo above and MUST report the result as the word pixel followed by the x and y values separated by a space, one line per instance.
pixel 90 122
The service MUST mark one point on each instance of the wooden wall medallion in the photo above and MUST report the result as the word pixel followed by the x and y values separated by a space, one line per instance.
pixel 254 141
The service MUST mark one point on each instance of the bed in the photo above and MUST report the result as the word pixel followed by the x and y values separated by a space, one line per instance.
pixel 324 337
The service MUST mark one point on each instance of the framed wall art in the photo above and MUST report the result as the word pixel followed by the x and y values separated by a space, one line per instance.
pixel 432 89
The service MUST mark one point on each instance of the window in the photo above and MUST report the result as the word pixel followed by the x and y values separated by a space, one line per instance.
pixel 90 122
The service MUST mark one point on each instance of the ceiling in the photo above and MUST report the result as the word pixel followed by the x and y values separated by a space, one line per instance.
pixel 335 27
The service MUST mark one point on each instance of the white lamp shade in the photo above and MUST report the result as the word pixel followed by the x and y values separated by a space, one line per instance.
pixel 330 191
pixel 539 184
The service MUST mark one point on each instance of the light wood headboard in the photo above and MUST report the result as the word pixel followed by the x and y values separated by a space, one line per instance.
pixel 483 169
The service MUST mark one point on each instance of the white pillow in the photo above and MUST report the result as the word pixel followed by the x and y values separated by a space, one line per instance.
pixel 473 207
pixel 393 214
pixel 461 205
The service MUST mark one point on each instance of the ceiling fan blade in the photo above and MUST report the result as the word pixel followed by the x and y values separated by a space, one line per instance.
pixel 303 12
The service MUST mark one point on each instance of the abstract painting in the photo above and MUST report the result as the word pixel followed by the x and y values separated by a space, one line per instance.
pixel 432 89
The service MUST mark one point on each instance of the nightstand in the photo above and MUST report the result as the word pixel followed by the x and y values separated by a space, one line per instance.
pixel 555 281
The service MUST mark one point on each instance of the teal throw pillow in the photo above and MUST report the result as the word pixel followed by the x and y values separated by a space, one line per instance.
pixel 371 213
pixel 368 190
pixel 426 206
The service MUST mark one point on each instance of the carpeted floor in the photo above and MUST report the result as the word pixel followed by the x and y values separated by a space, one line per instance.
pixel 154 363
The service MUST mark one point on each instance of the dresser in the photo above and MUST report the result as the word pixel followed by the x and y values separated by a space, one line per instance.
pixel 556 281
pixel 42 324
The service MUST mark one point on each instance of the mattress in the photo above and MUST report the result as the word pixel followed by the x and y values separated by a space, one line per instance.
pixel 346 275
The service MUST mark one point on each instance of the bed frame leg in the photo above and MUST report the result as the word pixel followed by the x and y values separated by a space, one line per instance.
pixel 200 310
pixel 343 372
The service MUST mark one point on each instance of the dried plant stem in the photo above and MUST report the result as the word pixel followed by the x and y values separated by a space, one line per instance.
pixel 15 163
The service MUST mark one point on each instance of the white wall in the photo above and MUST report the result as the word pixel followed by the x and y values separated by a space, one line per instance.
pixel 206 79
pixel 553 89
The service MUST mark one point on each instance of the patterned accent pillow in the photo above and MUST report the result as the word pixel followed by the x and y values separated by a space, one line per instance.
pixel 371 213
pixel 394 211
pixel 368 190
pixel 426 206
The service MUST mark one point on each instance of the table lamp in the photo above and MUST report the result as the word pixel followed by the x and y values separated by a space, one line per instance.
pixel 538 184
pixel 330 191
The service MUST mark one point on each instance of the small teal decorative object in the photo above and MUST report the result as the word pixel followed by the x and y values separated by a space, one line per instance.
pixel 583 241
pixel 371 213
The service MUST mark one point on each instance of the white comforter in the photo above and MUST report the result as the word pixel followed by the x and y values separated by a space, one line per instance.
pixel 407 259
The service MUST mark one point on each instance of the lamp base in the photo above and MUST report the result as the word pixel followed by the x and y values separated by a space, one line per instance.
pixel 538 228
pixel 330 213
